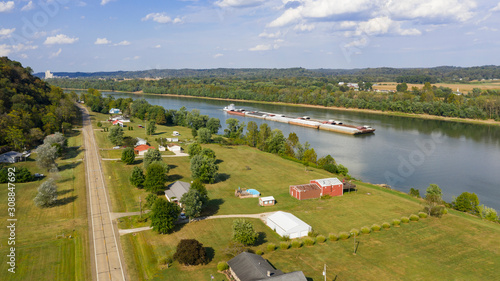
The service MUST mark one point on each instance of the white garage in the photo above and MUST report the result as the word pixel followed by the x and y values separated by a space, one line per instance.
pixel 286 224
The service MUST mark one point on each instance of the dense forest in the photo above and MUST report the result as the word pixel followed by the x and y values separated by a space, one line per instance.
pixel 381 74
pixel 30 108
pixel 432 100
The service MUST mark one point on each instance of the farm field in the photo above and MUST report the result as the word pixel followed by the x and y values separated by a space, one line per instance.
pixel 51 243
pixel 487 85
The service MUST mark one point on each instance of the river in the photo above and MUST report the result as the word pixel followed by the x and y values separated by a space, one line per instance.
pixel 404 152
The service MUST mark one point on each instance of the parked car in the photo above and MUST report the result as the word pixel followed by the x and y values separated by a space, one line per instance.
pixel 182 216
pixel 116 147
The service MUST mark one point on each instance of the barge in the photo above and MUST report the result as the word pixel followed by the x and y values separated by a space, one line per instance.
pixel 305 121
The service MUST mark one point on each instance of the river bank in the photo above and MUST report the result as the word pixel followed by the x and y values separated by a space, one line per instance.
pixel 388 113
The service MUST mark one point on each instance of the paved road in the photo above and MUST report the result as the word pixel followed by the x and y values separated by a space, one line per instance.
pixel 262 216
pixel 105 253
pixel 177 154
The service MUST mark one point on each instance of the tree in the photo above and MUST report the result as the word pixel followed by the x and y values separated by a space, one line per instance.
pixel 128 155
pixel 192 203
pixel 414 192
pixel 164 215
pixel 433 199
pixel 243 232
pixel 151 128
pixel 204 168
pixel 137 177
pixel 150 156
pixel 23 175
pixel 151 200
pixel 116 135
pixel 310 156
pixel 326 160
pixel 264 134
pixel 58 140
pixel 66 127
pixel 234 128
pixel 213 124
pixel 487 213
pixel 204 135
pixel 252 134
pixel 341 169
pixel 208 153
pixel 47 194
pixel 200 187
pixel 403 87
pixel 46 156
pixel 466 202
pixel 276 142
pixel 194 149
pixel 155 178
pixel 190 252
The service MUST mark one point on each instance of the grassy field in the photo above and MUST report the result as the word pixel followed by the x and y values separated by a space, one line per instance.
pixel 487 85
pixel 42 253
pixel 415 251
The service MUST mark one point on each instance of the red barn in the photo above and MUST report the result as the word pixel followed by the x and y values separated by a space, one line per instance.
pixel 317 188
pixel 330 186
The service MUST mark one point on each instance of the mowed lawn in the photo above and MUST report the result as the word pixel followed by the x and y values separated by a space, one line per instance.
pixel 415 251
pixel 42 253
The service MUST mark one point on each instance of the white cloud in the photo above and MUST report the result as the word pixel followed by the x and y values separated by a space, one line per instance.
pixel 123 43
pixel 270 35
pixel 55 54
pixel 261 48
pixel 456 10
pixel 134 58
pixel 218 55
pixel 5 32
pixel 24 56
pixel 161 18
pixel 104 2
pixel 157 46
pixel 102 41
pixel 304 27
pixel 6 6
pixel 384 25
pixel 28 7
pixel 5 50
pixel 21 47
pixel 60 39
pixel 238 3
pixel 496 8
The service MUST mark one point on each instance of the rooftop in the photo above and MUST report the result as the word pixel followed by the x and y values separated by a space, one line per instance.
pixel 287 221
pixel 306 187
pixel 328 182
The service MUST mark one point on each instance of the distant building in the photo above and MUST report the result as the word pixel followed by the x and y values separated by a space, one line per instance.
pixel 115 111
pixel 140 142
pixel 118 122
pixel 175 133
pixel 174 147
pixel 48 75
pixel 267 201
pixel 286 224
pixel 11 157
pixel 176 190
pixel 251 267
pixel 141 149
pixel 317 188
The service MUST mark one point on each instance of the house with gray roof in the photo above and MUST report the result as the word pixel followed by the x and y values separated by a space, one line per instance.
pixel 11 157
pixel 176 190
pixel 251 267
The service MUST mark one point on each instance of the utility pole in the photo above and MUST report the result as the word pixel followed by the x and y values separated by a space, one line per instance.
pixel 140 206
pixel 354 249
pixel 324 272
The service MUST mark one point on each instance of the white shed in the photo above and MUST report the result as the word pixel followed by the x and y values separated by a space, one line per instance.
pixel 286 224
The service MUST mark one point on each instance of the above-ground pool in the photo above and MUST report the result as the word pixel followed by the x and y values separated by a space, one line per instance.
pixel 253 191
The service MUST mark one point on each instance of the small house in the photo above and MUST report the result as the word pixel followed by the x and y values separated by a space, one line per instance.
pixel 161 148
pixel 286 224
pixel 141 149
pixel 115 111
pixel 176 190
pixel 175 133
pixel 251 267
pixel 11 157
pixel 118 122
pixel 317 188
pixel 173 139
pixel 267 201
pixel 140 142
pixel 174 147
pixel 330 186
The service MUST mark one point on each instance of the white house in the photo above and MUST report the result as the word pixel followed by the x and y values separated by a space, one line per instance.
pixel 175 133
pixel 11 157
pixel 286 224
pixel 115 111
pixel 161 148
pixel 173 139
pixel 174 147
pixel 140 142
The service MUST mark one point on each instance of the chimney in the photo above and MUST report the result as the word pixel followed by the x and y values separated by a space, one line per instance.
pixel 268 273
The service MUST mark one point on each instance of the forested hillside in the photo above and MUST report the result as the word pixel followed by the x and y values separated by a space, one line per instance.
pixel 30 108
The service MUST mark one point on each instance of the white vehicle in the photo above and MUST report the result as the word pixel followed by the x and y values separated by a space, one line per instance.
pixel 116 147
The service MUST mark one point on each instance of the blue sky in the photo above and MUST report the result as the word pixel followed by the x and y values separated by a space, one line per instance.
pixel 110 35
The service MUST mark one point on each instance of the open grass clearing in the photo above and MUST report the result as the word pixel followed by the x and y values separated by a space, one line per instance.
pixel 487 85
pixel 40 254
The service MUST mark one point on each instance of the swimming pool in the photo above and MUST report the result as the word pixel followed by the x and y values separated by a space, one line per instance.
pixel 253 191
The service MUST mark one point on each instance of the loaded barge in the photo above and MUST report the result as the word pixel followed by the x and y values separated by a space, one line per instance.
pixel 306 121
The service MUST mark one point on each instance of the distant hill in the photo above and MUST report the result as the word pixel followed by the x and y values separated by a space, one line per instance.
pixel 434 74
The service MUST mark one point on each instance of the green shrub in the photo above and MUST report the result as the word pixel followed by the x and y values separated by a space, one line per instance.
pixel 296 244
pixel 333 237
pixel 259 252
pixel 414 217
pixel 422 215
pixel 222 266
pixel 165 261
pixel 309 241
pixel 386 225
pixel 284 245
pixel 285 238
pixel 365 230
pixel 396 222
pixel 312 233
pixel 444 211
pixel 344 235
pixel 326 197
pixel 405 219
pixel 321 239
pixel 271 247
pixel 375 227
pixel 354 232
